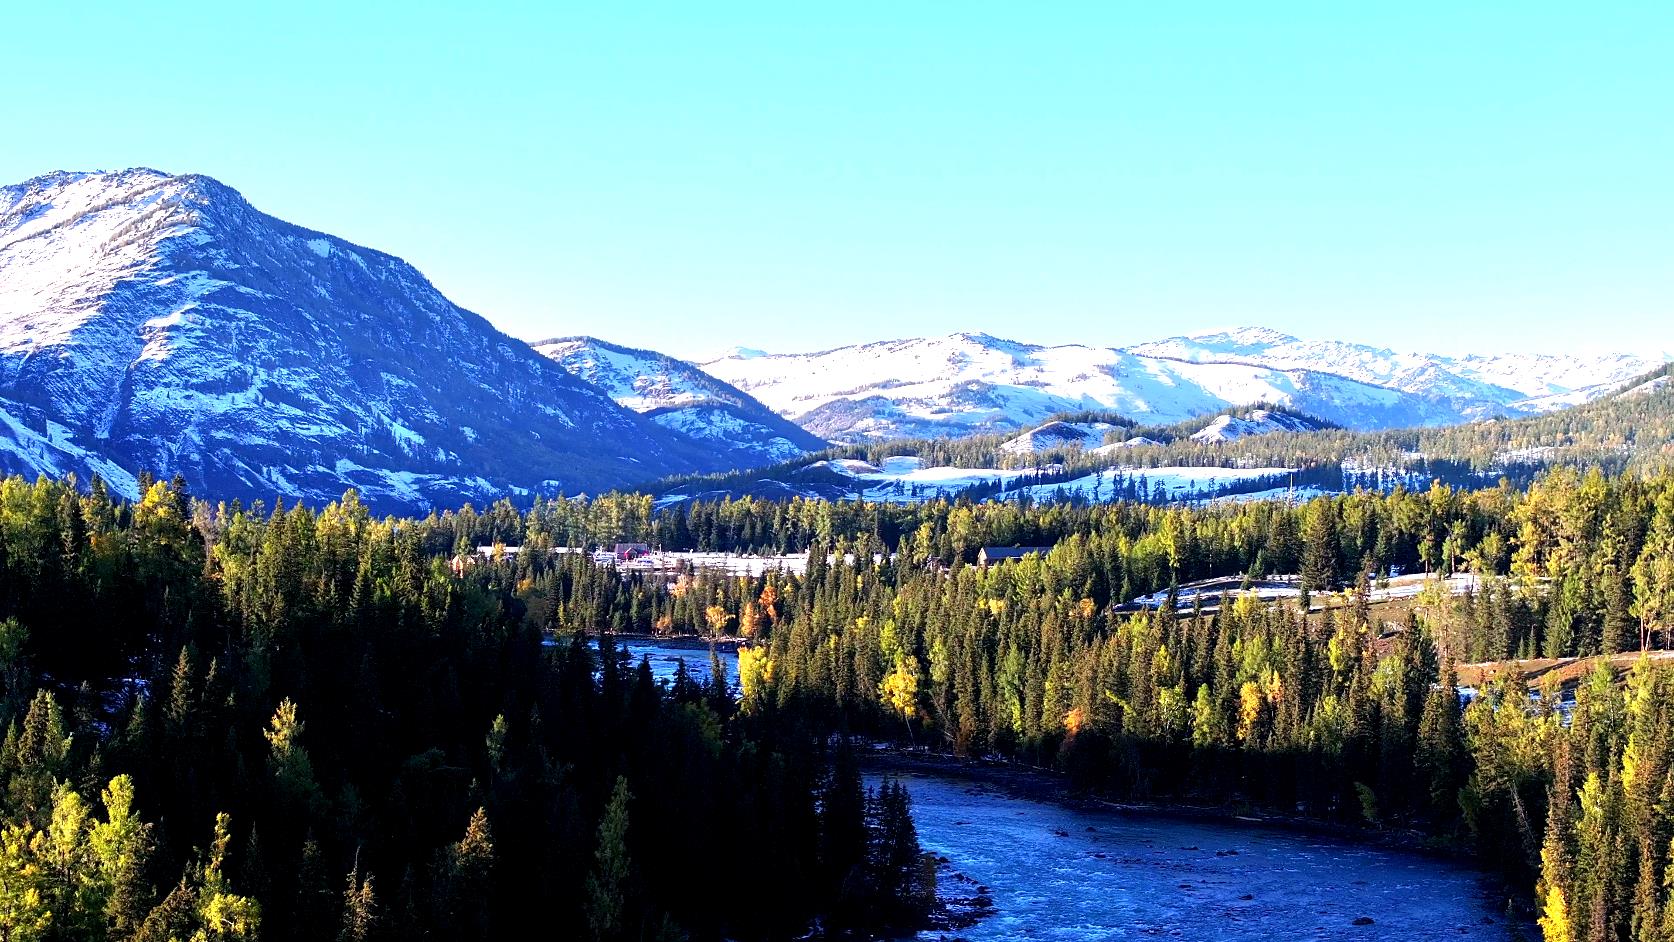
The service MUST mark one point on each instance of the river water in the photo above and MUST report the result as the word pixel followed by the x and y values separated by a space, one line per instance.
pixel 1059 873
pixel 667 659
pixel 1079 874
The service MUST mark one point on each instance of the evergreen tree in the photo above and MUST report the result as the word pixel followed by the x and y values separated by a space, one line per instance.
pixel 607 885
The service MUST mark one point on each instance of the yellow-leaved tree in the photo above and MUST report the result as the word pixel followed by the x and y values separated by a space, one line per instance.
pixel 755 675
pixel 899 690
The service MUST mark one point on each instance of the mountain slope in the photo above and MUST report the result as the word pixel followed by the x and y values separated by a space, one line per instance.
pixel 682 398
pixel 158 322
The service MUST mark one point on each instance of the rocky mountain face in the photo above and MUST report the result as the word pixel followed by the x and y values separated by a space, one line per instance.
pixel 683 399
pixel 971 382
pixel 151 322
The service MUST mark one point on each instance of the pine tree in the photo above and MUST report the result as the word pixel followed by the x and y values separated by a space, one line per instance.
pixel 293 773
pixel 1440 748
pixel 360 908
pixel 1319 546
pixel 467 880
pixel 843 837
pixel 607 884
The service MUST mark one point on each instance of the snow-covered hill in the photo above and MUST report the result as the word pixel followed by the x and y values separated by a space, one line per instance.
pixel 1055 435
pixel 1230 428
pixel 161 323
pixel 684 399
pixel 973 382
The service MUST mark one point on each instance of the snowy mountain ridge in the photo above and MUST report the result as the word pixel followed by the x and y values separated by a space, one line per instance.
pixel 970 382
pixel 161 323
pixel 1524 382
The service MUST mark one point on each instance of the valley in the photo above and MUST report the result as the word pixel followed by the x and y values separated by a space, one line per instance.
pixel 251 466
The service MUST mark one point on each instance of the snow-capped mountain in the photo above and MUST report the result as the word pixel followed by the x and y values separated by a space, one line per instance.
pixel 151 322
pixel 968 383
pixel 1516 383
pixel 683 399
pixel 972 382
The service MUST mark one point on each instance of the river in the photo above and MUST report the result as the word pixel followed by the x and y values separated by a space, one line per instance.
pixel 1076 874
pixel 666 659
pixel 1061 873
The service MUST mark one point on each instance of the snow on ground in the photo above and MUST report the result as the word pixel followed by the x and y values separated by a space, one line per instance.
pixel 716 423
pixel 1165 483
pixel 26 451
pixel 1520 455
pixel 1294 494
pixel 1057 435
pixel 907 480
pixel 733 564
pixel 1138 441
pixel 973 381
pixel 1289 587
pixel 904 479
pixel 640 380
pixel 1648 387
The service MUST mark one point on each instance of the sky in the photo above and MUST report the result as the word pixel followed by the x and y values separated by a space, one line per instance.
pixel 794 176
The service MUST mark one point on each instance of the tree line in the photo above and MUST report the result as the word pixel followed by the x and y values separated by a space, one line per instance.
pixel 322 723
pixel 301 724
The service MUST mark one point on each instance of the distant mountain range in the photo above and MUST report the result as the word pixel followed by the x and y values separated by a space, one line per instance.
pixel 152 322
pixel 973 382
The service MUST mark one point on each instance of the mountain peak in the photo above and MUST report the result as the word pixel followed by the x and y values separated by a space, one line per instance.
pixel 151 321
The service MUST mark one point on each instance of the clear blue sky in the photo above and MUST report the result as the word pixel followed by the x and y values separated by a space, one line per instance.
pixel 792 176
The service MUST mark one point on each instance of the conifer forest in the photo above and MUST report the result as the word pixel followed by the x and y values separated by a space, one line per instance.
pixel 242 722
